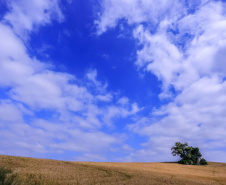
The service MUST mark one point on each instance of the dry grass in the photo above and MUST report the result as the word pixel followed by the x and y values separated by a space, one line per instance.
pixel 51 172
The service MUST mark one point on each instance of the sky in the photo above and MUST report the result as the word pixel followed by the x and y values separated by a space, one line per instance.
pixel 112 80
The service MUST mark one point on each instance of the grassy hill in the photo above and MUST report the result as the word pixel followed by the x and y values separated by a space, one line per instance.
pixel 31 171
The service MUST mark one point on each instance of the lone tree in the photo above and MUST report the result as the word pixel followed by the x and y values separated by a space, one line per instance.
pixel 188 154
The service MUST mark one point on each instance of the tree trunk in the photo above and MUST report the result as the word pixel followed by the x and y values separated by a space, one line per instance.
pixel 198 161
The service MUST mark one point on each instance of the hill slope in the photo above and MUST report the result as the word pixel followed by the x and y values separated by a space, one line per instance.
pixel 43 171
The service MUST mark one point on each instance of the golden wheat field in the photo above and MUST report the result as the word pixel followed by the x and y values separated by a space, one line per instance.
pixel 52 172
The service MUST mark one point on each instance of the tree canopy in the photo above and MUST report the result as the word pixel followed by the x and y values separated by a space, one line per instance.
pixel 188 154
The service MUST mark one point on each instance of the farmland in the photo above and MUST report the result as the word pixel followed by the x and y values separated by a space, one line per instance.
pixel 44 171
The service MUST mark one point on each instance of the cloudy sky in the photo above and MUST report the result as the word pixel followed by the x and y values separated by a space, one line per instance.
pixel 112 80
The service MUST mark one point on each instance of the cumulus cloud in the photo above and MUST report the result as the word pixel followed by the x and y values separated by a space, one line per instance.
pixel 28 15
pixel 135 12
pixel 183 44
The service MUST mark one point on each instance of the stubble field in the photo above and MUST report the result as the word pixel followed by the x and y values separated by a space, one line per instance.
pixel 31 171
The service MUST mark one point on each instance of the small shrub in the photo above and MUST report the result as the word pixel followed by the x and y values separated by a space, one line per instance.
pixel 185 161
pixel 6 177
pixel 203 162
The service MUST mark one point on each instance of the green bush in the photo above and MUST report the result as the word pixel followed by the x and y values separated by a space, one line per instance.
pixel 185 161
pixel 7 177
pixel 203 162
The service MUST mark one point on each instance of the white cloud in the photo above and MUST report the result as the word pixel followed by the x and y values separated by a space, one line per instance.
pixel 116 111
pixel 136 11
pixel 106 98
pixel 25 15
pixel 92 76
pixel 123 101
pixel 6 110
pixel 158 55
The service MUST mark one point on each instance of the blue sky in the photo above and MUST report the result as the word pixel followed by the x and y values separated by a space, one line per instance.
pixel 112 80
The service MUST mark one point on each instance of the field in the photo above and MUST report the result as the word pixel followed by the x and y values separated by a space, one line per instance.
pixel 32 171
